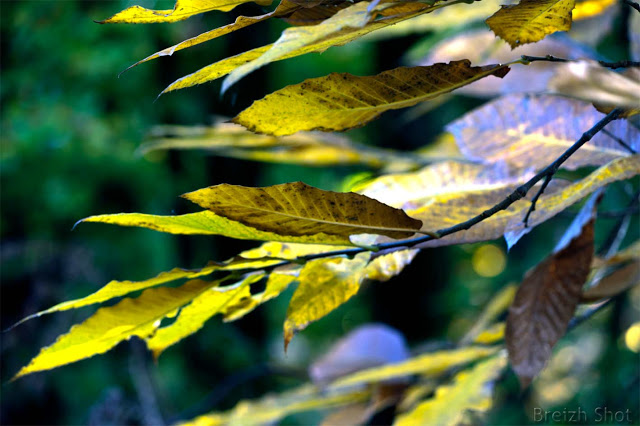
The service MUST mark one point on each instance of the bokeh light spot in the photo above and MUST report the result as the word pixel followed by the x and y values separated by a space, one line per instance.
pixel 488 260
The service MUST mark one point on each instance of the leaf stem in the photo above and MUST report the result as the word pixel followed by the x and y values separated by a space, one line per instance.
pixel 550 58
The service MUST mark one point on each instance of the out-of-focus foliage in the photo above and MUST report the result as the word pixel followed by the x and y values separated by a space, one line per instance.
pixel 406 205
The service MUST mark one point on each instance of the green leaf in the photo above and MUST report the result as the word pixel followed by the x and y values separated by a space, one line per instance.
pixel 324 284
pixel 531 20
pixel 299 209
pixel 109 326
pixel 344 101
pixel 183 9
pixel 471 390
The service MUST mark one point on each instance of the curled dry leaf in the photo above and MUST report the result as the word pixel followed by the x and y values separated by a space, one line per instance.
pixel 589 81
pixel 548 297
pixel 299 209
pixel 531 20
pixel 613 284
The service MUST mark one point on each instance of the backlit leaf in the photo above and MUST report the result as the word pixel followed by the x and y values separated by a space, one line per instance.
pixel 395 13
pixel 590 82
pixel 208 223
pixel 122 288
pixel 531 20
pixel 109 326
pixel 438 216
pixel 444 184
pixel 471 390
pixel 284 8
pixel 183 9
pixel 287 250
pixel 192 317
pixel 272 408
pixel 299 209
pixel 386 266
pixel 429 364
pixel 276 284
pixel 532 131
pixel 345 101
pixel 482 47
pixel 292 39
pixel 454 16
pixel 324 284
pixel 548 297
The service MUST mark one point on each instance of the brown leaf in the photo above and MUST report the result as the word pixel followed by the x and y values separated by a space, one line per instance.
pixel 546 301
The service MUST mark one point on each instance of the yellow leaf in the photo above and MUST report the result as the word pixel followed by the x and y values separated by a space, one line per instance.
pixel 395 13
pixel 284 8
pixel 272 408
pixel 438 215
pixel 531 20
pixel 496 307
pixel 208 223
pixel 589 8
pixel 193 316
pixel 296 38
pixel 447 184
pixel 471 390
pixel 299 209
pixel 384 267
pixel 429 364
pixel 532 131
pixel 345 101
pixel 324 285
pixel 183 9
pixel 491 335
pixel 276 284
pixel 307 148
pixel 454 16
pixel 287 250
pixel 109 326
pixel 115 289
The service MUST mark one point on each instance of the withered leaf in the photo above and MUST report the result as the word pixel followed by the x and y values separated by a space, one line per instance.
pixel 546 301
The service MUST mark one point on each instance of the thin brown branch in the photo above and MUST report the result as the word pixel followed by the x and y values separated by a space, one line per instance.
pixel 550 58
pixel 532 208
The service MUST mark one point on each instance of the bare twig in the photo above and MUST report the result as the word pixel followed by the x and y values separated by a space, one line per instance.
pixel 620 141
pixel 550 58
pixel 634 5
pixel 534 200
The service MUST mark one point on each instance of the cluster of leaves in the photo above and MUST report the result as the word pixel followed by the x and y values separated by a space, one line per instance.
pixel 328 244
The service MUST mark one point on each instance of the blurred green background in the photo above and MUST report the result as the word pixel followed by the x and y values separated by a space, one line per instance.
pixel 70 129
